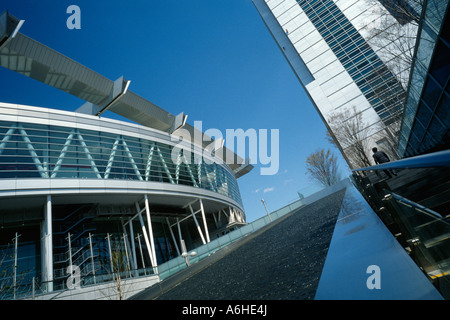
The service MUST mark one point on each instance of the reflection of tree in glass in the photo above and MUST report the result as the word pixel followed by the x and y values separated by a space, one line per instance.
pixel 322 167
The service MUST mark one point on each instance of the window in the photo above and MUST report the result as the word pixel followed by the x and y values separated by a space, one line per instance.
pixel 440 68
pixel 41 151
pixel 442 111
pixel 431 93
pixel 398 9
pixel 424 113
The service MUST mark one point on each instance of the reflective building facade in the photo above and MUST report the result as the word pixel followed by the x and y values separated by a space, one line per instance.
pixel 426 122
pixel 342 64
pixel 53 151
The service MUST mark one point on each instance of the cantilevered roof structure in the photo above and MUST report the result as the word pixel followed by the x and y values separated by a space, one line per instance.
pixel 103 181
pixel 37 61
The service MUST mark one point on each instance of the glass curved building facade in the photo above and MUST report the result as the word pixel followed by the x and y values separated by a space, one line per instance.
pixel 101 194
pixel 84 198
pixel 33 150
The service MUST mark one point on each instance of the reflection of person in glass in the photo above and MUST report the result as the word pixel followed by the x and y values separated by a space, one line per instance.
pixel 380 157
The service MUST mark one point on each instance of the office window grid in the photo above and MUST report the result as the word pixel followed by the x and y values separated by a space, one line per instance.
pixel 426 120
pixel 376 82
pixel 45 151
pixel 431 123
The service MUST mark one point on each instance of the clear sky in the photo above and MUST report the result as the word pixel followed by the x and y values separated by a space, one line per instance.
pixel 214 60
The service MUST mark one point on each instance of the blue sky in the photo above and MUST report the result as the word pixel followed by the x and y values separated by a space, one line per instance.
pixel 214 60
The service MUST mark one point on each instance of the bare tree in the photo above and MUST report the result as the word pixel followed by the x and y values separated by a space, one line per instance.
pixel 6 272
pixel 352 134
pixel 11 279
pixel 322 167
pixel 404 11
pixel 387 138
pixel 393 34
pixel 118 268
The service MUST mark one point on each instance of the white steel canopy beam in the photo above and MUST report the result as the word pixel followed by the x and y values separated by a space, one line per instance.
pixel 166 168
pixel 133 245
pixel 55 69
pixel 43 173
pixel 133 163
pixel 10 26
pixel 204 220
pixel 190 171
pixel 173 236
pixel 6 138
pixel 149 162
pixel 89 156
pixel 65 148
pixel 33 153
pixel 198 226
pixel 205 226
pixel 150 230
pixel 144 231
pixel 111 157
pixel 63 153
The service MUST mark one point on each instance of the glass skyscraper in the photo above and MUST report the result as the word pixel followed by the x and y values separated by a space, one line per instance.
pixel 349 70
pixel 426 122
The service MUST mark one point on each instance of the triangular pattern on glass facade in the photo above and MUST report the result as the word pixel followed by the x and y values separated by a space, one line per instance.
pixel 18 153
pixel 29 150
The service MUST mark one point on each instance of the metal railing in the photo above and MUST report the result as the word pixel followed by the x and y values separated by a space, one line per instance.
pixel 426 232
pixel 164 270
pixel 177 264
pixel 36 288
pixel 431 160
pixel 423 232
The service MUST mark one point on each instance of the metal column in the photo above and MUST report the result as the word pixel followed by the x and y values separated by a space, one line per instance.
pixel 133 247
pixel 150 229
pixel 204 221
pixel 108 237
pixel 92 256
pixel 198 226
pixel 16 245
pixel 140 250
pixel 47 246
pixel 179 231
pixel 173 236
pixel 202 211
pixel 144 231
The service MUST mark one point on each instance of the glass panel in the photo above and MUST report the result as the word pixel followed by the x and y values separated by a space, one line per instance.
pixel 424 114
pixel 428 142
pixel 418 80
pixel 87 154
pixel 440 67
pixel 431 93
pixel 426 46
pixel 413 141
pixel 437 129
pixel 435 12
pixel 443 110
pixel 427 233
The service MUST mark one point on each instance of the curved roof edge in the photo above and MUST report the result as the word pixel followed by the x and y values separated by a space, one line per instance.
pixel 26 56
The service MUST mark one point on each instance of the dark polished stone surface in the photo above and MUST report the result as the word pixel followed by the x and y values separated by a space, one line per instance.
pixel 282 263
